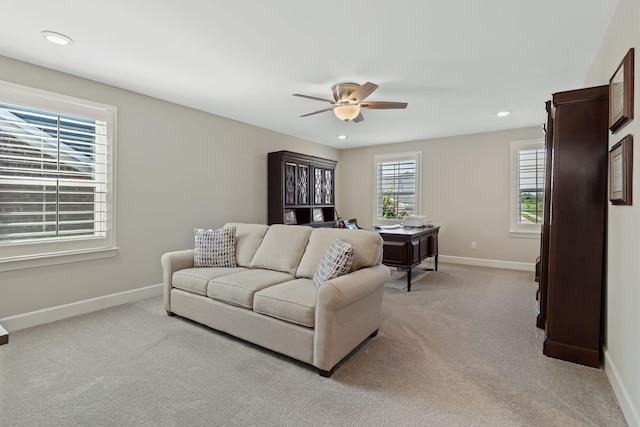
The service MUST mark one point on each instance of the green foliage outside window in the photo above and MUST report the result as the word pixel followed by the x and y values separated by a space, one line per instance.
pixel 531 207
pixel 391 208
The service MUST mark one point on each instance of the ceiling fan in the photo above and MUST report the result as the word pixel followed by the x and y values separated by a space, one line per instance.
pixel 349 98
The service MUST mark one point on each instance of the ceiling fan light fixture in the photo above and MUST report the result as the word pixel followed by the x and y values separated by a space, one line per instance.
pixel 56 38
pixel 347 112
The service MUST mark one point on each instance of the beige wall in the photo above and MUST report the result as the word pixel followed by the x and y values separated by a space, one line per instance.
pixel 465 190
pixel 622 342
pixel 177 168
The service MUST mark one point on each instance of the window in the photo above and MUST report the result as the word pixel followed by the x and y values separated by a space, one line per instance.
pixel 56 176
pixel 527 165
pixel 397 186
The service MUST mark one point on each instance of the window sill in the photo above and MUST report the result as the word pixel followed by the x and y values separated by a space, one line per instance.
pixel 19 263
pixel 525 234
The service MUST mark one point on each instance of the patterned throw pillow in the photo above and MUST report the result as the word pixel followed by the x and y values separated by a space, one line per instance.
pixel 335 262
pixel 215 248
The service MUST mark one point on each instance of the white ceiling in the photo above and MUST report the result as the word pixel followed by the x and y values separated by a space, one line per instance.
pixel 455 62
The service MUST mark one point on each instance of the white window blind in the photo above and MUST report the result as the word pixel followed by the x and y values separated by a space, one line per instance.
pixel 528 159
pixel 56 178
pixel 397 182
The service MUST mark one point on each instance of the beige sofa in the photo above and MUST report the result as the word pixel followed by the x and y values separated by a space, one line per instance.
pixel 270 298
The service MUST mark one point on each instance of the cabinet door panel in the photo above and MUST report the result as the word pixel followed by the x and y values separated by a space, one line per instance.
pixel 328 186
pixel 303 185
pixel 317 186
pixel 290 183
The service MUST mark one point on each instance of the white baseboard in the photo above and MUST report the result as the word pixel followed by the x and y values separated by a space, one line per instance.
pixel 40 317
pixel 624 399
pixel 509 265
pixel 47 315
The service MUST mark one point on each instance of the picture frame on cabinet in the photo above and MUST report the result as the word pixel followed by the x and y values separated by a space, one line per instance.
pixel 318 216
pixel 621 172
pixel 621 93
pixel 290 217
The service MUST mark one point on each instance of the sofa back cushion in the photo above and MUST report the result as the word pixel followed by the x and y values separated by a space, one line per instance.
pixel 248 239
pixel 282 247
pixel 367 247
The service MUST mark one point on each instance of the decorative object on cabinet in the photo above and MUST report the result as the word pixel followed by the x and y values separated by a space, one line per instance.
pixel 621 94
pixel 351 224
pixel 303 185
pixel 620 172
pixel 317 215
pixel 574 229
pixel 290 216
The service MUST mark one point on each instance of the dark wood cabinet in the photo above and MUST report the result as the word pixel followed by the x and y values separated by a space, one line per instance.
pixel 574 231
pixel 300 186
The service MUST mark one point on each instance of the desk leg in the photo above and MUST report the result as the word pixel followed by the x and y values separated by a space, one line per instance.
pixel 409 279
pixel 436 262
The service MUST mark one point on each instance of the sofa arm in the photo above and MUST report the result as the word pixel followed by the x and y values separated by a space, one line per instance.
pixel 172 262
pixel 348 310
pixel 352 287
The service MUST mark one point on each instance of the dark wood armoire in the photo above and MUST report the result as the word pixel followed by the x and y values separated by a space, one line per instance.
pixel 574 230
pixel 301 189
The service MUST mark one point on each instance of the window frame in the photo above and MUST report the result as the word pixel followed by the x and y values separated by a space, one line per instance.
pixel 397 157
pixel 52 251
pixel 517 229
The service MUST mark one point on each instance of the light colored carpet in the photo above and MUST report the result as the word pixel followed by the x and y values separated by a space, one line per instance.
pixel 461 349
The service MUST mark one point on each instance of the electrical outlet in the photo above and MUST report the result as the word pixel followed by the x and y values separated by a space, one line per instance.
pixel 474 245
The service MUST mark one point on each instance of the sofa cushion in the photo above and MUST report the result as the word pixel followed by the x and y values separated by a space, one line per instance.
pixel 367 248
pixel 336 262
pixel 239 288
pixel 282 247
pixel 293 301
pixel 196 279
pixel 215 248
pixel 248 239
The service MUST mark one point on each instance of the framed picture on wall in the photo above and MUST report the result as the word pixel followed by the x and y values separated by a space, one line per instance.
pixel 620 171
pixel 621 94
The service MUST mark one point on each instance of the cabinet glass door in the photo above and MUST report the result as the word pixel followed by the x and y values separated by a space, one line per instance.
pixel 323 186
pixel 328 186
pixel 296 184
pixel 303 185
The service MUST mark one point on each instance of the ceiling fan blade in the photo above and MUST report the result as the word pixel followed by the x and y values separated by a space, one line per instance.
pixel 382 105
pixel 318 112
pixel 359 118
pixel 314 98
pixel 362 92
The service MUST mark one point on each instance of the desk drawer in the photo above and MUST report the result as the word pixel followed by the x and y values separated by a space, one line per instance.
pixel 401 253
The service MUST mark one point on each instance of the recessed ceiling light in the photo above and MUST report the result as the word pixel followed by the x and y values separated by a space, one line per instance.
pixel 504 113
pixel 56 38
pixel 342 136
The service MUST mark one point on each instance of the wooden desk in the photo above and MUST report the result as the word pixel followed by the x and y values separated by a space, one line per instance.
pixel 407 247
